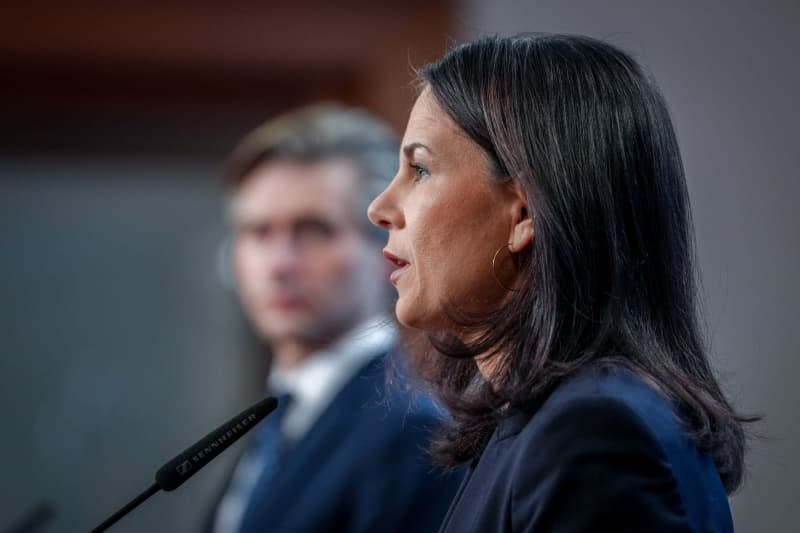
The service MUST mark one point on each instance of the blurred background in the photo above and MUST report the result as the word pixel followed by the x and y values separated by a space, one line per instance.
pixel 120 338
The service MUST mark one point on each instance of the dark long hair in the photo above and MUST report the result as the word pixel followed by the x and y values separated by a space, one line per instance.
pixel 609 279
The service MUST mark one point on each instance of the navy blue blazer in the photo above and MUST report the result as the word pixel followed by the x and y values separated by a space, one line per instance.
pixel 362 466
pixel 604 452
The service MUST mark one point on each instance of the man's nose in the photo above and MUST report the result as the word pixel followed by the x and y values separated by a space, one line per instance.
pixel 283 257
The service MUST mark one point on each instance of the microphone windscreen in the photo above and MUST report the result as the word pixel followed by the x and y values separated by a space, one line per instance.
pixel 187 463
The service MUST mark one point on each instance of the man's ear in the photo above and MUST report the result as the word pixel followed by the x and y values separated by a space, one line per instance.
pixel 522 225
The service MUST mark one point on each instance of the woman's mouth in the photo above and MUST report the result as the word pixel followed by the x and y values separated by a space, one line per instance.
pixel 402 266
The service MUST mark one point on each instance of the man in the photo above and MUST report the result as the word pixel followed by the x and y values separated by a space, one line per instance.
pixel 341 453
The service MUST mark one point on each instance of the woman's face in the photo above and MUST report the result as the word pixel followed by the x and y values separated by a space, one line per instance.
pixel 447 216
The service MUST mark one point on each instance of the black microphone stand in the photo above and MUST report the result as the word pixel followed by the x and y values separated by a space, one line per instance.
pixel 186 464
pixel 133 504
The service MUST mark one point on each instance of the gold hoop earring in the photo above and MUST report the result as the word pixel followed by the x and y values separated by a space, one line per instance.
pixel 494 271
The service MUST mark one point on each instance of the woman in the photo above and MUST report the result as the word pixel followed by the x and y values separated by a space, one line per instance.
pixel 540 227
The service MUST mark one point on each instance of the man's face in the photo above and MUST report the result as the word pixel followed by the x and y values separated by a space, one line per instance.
pixel 305 270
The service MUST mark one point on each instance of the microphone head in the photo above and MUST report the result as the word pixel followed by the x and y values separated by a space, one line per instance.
pixel 183 466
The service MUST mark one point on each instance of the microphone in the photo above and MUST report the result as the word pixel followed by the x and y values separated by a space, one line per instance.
pixel 187 463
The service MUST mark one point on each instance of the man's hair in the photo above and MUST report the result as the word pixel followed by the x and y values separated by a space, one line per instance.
pixel 323 132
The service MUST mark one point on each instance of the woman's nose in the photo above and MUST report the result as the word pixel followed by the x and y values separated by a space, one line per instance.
pixel 383 213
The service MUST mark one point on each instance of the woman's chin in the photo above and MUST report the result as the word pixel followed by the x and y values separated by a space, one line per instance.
pixel 409 314
pixel 404 317
pixel 412 315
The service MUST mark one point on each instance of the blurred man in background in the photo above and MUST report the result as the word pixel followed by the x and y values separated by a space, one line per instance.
pixel 340 453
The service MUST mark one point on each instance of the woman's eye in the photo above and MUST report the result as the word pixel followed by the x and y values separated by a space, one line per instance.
pixel 420 171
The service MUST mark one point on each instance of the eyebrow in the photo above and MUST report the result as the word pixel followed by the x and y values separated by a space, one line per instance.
pixel 408 149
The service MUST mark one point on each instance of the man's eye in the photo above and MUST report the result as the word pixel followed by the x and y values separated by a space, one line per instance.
pixel 315 230
pixel 255 231
pixel 420 171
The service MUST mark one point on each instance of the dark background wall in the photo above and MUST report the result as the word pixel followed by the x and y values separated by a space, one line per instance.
pixel 119 344
pixel 120 339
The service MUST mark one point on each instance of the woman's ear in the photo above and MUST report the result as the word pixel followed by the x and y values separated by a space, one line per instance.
pixel 521 235
pixel 522 225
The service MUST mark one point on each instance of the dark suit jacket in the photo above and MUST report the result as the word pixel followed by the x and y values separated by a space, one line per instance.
pixel 603 453
pixel 362 466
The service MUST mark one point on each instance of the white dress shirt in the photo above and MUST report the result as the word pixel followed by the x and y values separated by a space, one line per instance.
pixel 313 384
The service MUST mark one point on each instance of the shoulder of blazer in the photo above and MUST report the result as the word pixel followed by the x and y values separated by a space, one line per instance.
pixel 610 434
